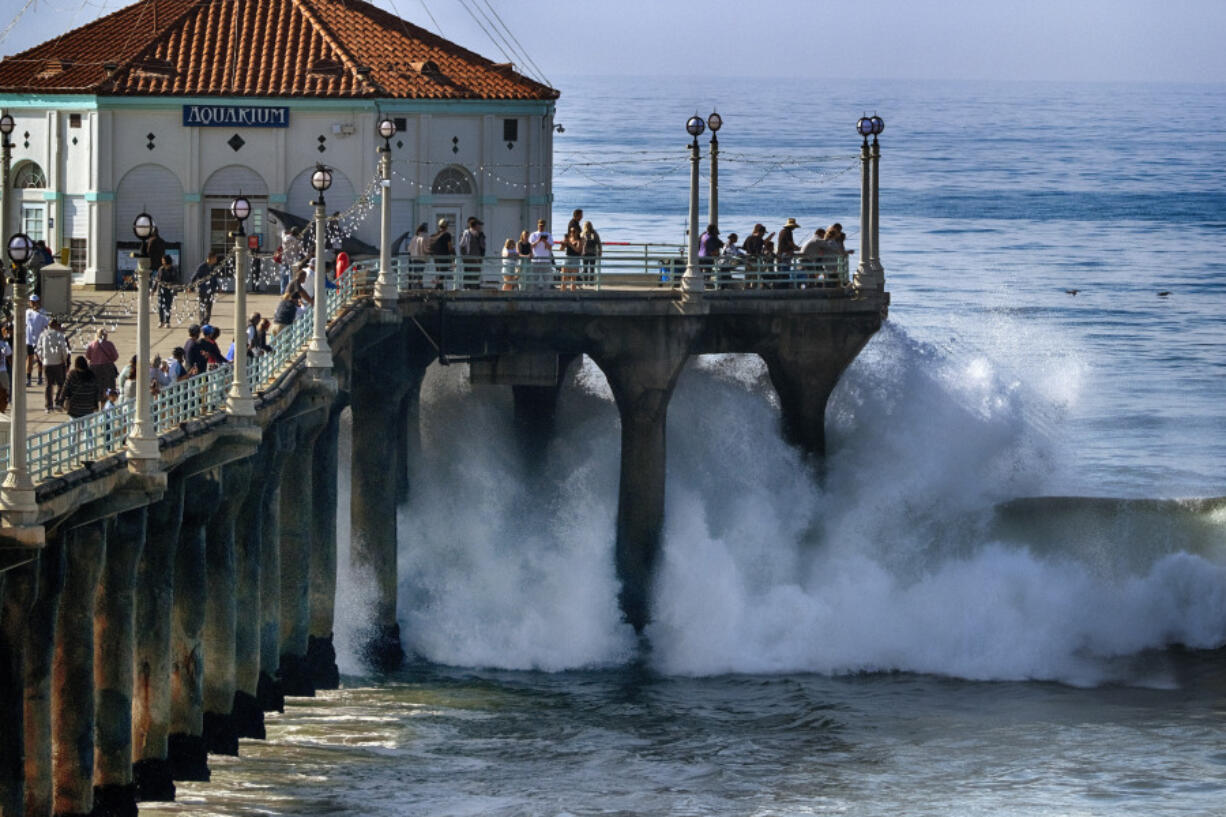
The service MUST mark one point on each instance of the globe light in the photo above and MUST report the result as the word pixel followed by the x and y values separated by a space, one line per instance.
pixel 143 226
pixel 20 248
pixel 864 127
pixel 240 208
pixel 387 128
pixel 714 122
pixel 878 124
pixel 694 126
pixel 321 179
pixel 7 124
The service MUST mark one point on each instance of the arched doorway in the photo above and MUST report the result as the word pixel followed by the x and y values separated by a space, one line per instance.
pixel 453 196
pixel 219 192
pixel 151 189
pixel 28 182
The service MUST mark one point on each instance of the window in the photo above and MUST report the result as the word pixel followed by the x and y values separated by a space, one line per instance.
pixel 74 120
pixel 78 254
pixel 510 130
pixel 34 221
pixel 452 181
pixel 28 176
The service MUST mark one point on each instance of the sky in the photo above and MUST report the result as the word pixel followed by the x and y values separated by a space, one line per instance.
pixel 813 40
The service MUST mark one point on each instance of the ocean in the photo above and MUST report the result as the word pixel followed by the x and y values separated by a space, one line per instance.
pixel 1004 595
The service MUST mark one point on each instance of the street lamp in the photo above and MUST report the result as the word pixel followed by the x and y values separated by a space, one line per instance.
pixel 319 355
pixel 691 281
pixel 878 126
pixel 385 284
pixel 6 161
pixel 714 121
pixel 142 439
pixel 238 400
pixel 17 495
pixel 864 270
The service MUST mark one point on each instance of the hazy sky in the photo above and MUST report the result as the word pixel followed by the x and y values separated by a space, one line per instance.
pixel 1094 40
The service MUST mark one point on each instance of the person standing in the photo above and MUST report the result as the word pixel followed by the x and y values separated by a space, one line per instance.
pixel 709 245
pixel 592 250
pixel 5 351
pixel 472 251
pixel 81 395
pixel 53 351
pixel 36 323
pixel 101 355
pixel 442 249
pixel 572 245
pixel 204 281
pixel 576 222
pixel 291 252
pixel 786 248
pixel 417 255
pixel 165 277
pixel 542 255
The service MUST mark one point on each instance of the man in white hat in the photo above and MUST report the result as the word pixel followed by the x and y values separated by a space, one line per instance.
pixel 36 323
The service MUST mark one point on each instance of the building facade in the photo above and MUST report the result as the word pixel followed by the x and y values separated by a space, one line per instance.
pixel 202 100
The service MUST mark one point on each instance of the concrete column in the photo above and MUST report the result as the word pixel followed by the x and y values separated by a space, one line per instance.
pixel 864 271
pixel 805 360
pixel 642 384
pixel 114 620
pixel 72 680
pixel 269 691
pixel 535 411
pixel 373 498
pixel 221 611
pixel 151 662
pixel 18 594
pixel 246 714
pixel 187 754
pixel 321 654
pixel 39 658
pixel 297 499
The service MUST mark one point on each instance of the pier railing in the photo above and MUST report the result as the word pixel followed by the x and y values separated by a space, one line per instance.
pixel 66 446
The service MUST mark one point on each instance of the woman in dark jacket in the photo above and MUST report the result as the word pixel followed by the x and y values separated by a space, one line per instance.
pixel 80 392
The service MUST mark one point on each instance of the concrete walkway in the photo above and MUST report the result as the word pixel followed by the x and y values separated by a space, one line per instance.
pixel 116 310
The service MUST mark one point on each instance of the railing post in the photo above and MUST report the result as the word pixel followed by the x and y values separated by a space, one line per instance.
pixel 142 439
pixel 864 270
pixel 385 285
pixel 239 402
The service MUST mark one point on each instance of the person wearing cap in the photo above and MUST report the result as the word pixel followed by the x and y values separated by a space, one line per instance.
pixel 785 250
pixel 208 346
pixel 52 349
pixel 442 250
pixel 542 256
pixel 472 250
pixel 36 323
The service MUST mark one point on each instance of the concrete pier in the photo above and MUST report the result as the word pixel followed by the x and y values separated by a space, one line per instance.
pixel 296 536
pixel 187 753
pixel 18 595
pixel 40 628
pixel 221 612
pixel 321 653
pixel 269 692
pixel 72 682
pixel 155 580
pixel 246 714
pixel 114 619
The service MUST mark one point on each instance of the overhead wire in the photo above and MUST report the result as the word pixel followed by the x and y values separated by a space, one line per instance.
pixel 528 61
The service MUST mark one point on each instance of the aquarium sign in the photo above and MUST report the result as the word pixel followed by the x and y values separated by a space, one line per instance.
pixel 235 116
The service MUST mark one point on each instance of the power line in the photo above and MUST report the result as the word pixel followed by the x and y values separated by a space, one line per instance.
pixel 528 61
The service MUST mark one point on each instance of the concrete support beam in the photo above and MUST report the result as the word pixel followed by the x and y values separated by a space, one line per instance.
pixel 114 620
pixel 155 575
pixel 321 654
pixel 642 375
pixel 246 713
pixel 381 379
pixel 221 611
pixel 187 753
pixel 805 361
pixel 72 683
pixel 39 659
pixel 536 409
pixel 297 534
pixel 18 594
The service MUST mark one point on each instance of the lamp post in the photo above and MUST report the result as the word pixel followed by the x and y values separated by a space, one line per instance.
pixel 385 285
pixel 6 161
pixel 319 354
pixel 17 495
pixel 878 126
pixel 864 270
pixel 238 400
pixel 714 121
pixel 142 439
pixel 691 281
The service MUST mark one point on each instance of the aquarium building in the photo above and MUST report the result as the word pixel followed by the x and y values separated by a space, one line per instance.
pixel 174 107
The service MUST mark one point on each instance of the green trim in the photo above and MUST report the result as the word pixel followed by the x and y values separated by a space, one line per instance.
pixel 191 198
pixel 276 198
pixel 538 201
pixel 51 195
pixel 489 200
pixel 389 107
pixel 99 196
pixel 426 198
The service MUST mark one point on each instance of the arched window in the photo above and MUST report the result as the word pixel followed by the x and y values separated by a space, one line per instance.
pixel 452 181
pixel 29 176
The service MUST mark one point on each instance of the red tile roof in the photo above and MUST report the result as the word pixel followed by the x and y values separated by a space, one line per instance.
pixel 279 48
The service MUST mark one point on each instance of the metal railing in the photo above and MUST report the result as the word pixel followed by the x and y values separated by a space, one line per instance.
pixel 626 267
